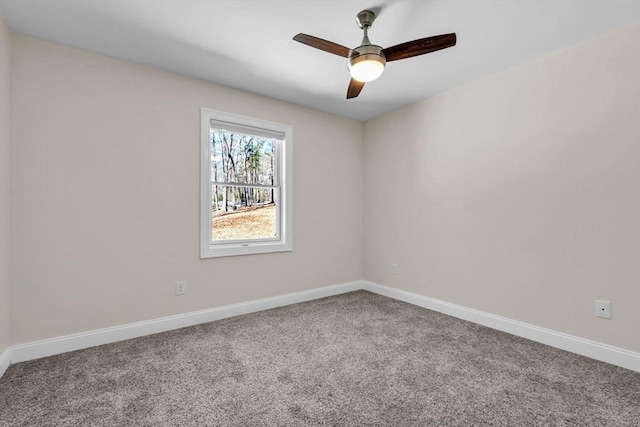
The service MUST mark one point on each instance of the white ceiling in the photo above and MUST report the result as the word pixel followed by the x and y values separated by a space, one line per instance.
pixel 248 44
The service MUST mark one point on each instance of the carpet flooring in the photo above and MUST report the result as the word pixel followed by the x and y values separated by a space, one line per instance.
pixel 356 359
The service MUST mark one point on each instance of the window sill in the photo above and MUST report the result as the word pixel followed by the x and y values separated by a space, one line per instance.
pixel 222 250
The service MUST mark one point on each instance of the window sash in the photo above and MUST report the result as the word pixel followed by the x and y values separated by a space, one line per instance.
pixel 277 141
pixel 277 174
pixel 246 129
pixel 240 184
pixel 248 242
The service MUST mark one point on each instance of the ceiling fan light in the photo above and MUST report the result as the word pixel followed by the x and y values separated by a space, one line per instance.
pixel 367 69
pixel 366 63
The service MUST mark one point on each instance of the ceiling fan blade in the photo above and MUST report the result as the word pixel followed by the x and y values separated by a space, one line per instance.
pixel 355 87
pixel 419 47
pixel 322 44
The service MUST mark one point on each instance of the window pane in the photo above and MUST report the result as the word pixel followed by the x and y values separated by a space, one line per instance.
pixel 243 213
pixel 241 158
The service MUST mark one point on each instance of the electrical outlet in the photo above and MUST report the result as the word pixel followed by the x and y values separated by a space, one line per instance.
pixel 603 309
pixel 181 288
pixel 394 269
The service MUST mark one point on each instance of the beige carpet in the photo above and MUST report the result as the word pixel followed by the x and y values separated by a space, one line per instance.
pixel 357 359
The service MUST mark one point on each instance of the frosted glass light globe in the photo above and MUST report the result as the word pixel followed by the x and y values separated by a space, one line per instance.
pixel 366 63
pixel 367 70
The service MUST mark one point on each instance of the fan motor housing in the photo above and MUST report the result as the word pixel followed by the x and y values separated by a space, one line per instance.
pixel 366 53
pixel 366 62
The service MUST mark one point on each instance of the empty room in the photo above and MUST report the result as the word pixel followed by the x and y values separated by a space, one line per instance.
pixel 304 213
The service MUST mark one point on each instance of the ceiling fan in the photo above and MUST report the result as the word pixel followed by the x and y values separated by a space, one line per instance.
pixel 367 61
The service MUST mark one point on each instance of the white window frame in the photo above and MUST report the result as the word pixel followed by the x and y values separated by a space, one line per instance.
pixel 284 241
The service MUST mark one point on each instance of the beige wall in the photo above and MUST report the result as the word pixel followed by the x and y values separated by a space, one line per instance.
pixel 518 194
pixel 105 195
pixel 5 133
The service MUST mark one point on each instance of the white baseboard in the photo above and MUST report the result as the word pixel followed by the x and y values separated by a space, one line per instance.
pixel 4 362
pixel 63 344
pixel 595 350
pixel 49 347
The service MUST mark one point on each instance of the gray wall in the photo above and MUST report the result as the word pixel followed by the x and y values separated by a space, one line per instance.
pixel 105 195
pixel 518 194
pixel 5 134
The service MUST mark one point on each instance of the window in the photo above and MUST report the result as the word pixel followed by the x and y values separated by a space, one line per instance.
pixel 245 191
